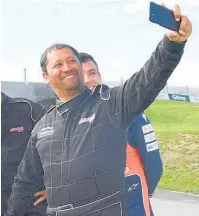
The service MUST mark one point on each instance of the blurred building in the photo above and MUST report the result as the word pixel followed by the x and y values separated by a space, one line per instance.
pixel 38 91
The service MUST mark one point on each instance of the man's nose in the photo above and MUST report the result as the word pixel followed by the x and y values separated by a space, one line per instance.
pixel 86 80
pixel 65 67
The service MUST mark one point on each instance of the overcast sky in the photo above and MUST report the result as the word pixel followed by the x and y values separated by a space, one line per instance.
pixel 116 32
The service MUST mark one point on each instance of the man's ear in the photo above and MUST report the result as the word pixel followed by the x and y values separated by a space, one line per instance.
pixel 45 76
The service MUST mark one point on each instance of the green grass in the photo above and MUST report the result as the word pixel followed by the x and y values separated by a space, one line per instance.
pixel 177 128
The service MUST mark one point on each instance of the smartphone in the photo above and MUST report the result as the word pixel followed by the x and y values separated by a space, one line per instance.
pixel 163 17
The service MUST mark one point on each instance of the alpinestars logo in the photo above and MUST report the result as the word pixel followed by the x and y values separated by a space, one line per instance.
pixel 133 187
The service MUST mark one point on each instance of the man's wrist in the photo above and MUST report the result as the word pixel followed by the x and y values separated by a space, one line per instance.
pixel 173 47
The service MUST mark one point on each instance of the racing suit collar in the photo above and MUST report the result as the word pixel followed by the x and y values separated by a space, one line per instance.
pixel 74 102
pixel 103 90
pixel 5 102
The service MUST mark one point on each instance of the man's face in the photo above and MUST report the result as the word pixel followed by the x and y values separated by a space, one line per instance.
pixel 64 71
pixel 91 74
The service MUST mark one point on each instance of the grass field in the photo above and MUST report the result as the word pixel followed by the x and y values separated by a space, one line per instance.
pixel 177 127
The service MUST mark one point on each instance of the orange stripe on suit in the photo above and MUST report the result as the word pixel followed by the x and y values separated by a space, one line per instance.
pixel 134 167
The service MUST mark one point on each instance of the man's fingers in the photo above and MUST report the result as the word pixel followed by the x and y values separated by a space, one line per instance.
pixel 188 27
pixel 40 193
pixel 41 199
pixel 184 26
pixel 172 34
pixel 177 12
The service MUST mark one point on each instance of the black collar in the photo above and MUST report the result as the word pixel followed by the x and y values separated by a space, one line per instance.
pixel 77 100
pixel 74 102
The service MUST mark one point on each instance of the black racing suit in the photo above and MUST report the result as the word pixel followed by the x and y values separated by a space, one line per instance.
pixel 79 146
pixel 18 117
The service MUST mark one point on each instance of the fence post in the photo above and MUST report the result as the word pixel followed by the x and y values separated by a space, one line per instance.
pixel 25 76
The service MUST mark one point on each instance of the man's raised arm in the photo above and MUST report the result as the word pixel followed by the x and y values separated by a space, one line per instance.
pixel 138 92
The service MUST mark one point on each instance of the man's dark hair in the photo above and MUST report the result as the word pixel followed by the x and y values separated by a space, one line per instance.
pixel 43 60
pixel 84 57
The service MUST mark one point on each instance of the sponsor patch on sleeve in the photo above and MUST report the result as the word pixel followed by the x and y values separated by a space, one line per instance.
pixel 150 137
pixel 152 146
pixel 147 128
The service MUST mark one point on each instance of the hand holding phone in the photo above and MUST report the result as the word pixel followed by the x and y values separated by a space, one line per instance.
pixel 163 16
pixel 179 25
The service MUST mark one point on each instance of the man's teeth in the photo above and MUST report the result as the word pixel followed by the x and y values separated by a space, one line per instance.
pixel 69 76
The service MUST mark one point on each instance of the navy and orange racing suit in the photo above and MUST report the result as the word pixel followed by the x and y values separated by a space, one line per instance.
pixel 143 166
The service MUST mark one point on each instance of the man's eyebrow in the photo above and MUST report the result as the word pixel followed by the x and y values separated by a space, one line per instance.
pixel 57 61
pixel 92 70
pixel 72 57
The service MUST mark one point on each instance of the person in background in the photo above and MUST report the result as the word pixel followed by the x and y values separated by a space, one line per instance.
pixel 18 117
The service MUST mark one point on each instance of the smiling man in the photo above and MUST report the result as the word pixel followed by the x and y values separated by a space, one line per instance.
pixel 79 146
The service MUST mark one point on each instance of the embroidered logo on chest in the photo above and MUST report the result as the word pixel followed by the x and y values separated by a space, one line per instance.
pixel 88 119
